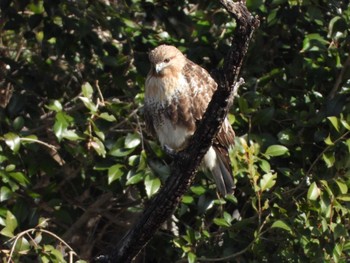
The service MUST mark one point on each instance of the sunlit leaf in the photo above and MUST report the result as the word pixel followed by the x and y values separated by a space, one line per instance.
pixel 133 178
pixel 20 177
pixel 89 104
pixel 187 199
pixel 198 190
pixel 5 193
pixel 221 222
pixel 98 146
pixel 281 224
pixel 313 192
pixel 268 181
pixel 87 90
pixel 328 140
pixel 328 158
pixel 120 152
pixel 344 197
pixel 191 257
pixel 334 121
pixel 342 186
pixel 152 185
pixel 62 122
pixel 70 135
pixel 22 245
pixel 115 172
pixel 276 150
pixel 13 141
pixel 10 225
pixel 55 106
pixel 106 116
pixel 132 140
pixel 265 166
pixel 345 124
pixel 325 205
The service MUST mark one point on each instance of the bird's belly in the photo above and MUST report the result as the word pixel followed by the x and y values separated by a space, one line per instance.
pixel 174 136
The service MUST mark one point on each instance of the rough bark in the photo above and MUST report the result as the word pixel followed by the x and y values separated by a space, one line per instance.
pixel 187 161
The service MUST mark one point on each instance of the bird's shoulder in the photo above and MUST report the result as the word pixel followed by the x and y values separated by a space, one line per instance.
pixel 198 78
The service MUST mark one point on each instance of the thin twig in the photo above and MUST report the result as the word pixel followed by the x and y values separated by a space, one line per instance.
pixel 339 79
pixel 52 147
pixel 100 93
pixel 33 230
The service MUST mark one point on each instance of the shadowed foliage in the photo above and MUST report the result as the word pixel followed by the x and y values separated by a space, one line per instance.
pixel 77 168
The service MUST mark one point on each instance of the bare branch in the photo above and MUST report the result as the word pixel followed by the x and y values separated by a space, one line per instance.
pixel 187 161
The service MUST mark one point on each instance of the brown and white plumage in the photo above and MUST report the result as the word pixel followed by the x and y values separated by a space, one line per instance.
pixel 177 93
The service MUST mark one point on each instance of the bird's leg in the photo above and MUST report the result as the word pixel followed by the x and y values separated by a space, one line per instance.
pixel 170 151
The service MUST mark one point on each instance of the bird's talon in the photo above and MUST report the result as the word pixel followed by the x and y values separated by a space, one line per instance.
pixel 169 151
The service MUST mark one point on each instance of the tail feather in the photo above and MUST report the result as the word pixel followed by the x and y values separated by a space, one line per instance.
pixel 222 173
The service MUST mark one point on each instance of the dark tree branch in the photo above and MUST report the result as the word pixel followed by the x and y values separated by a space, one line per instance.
pixel 187 161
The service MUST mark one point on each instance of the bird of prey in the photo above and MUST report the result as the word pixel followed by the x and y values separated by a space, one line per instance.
pixel 177 93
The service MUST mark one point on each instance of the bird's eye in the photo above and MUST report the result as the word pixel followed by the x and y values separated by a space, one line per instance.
pixel 166 60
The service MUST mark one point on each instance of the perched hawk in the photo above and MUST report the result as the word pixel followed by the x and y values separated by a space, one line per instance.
pixel 177 93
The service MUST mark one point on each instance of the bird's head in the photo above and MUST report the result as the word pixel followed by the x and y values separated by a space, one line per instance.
pixel 166 60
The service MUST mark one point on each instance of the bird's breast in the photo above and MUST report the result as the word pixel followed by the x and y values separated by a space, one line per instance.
pixel 174 136
pixel 164 89
pixel 164 98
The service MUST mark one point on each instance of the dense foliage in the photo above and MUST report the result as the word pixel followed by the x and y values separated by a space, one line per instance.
pixel 77 167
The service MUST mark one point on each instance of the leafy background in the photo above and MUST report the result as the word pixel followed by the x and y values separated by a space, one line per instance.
pixel 77 168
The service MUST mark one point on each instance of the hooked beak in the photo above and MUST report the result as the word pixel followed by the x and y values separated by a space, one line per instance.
pixel 159 67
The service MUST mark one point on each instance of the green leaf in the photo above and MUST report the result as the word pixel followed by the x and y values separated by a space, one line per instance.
pixel 10 168
pixel 108 117
pixel 70 135
pixel 344 197
pixel 281 224
pixel 267 181
pixel 13 141
pixel 55 255
pixel 329 159
pixel 115 172
pixel 120 152
pixel 87 90
pixel 134 178
pixel 335 122
pixel 348 144
pixel 345 124
pixel 18 123
pixel 342 186
pixel 328 140
pixel 132 140
pixel 22 246
pixel 97 131
pixel 98 146
pixel 10 225
pixel 89 104
pixel 55 106
pixel 314 192
pixel 221 222
pixel 5 193
pixel 276 150
pixel 134 160
pixel 265 166
pixel 152 185
pixel 62 122
pixel 198 190
pixel 187 199
pixel 339 230
pixel 227 217
pixel 20 178
pixel 191 257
